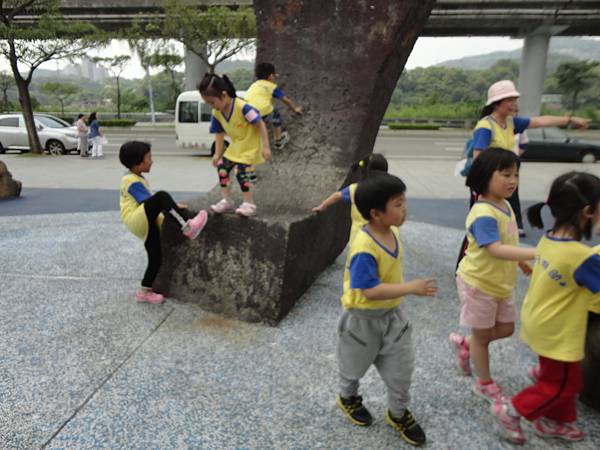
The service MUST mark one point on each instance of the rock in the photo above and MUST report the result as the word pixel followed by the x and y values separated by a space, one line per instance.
pixel 8 186
pixel 340 61
pixel 591 364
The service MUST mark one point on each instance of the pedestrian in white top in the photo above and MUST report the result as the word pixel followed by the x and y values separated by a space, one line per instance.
pixel 82 134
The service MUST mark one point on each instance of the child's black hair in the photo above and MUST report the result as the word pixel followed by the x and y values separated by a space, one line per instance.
pixel 213 85
pixel 569 194
pixel 486 164
pixel 263 70
pixel 375 192
pixel 373 162
pixel 79 116
pixel 132 153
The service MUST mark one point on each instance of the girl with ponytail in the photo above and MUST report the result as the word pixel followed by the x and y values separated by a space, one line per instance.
pixel 565 279
pixel 249 141
pixel 367 167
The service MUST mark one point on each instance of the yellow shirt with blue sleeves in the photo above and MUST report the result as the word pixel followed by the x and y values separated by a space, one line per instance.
pixel 358 221
pixel 242 128
pixel 260 95
pixel 487 223
pixel 484 138
pixel 595 304
pixel 565 277
pixel 368 264
pixel 134 190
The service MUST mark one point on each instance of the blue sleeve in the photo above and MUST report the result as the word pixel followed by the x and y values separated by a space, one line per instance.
pixel 139 192
pixel 277 93
pixel 521 124
pixel 363 271
pixel 215 126
pixel 251 114
pixel 482 137
pixel 485 231
pixel 346 195
pixel 588 274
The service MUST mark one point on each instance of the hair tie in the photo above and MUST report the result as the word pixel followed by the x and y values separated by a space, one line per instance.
pixel 361 163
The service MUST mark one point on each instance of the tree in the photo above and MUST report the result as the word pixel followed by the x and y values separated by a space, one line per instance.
pixel 214 34
pixel 61 91
pixel 116 65
pixel 574 77
pixel 145 48
pixel 6 82
pixel 169 61
pixel 50 37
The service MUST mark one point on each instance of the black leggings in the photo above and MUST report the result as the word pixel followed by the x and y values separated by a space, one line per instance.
pixel 153 206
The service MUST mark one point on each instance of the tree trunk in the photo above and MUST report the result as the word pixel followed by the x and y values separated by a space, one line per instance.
pixel 25 101
pixel 118 98
pixel 151 96
pixel 62 107
pixel 175 87
pixel 574 101
pixel 5 95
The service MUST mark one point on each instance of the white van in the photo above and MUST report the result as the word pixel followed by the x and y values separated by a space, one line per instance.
pixel 192 122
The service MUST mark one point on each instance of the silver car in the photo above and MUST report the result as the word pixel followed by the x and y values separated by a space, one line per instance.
pixel 56 135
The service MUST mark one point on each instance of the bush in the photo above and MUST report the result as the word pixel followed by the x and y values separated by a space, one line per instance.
pixel 117 122
pixel 413 126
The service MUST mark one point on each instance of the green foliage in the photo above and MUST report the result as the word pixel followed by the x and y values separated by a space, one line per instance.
pixel 241 78
pixel 574 77
pixel 61 91
pixel 412 126
pixel 117 123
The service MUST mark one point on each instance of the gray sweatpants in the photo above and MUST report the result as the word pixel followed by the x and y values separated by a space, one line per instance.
pixel 381 337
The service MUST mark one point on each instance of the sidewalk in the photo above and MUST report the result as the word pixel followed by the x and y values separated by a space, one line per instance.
pixel 83 366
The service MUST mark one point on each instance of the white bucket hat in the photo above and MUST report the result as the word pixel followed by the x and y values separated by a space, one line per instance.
pixel 501 90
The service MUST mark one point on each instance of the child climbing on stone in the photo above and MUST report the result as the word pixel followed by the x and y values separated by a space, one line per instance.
pixel 261 94
pixel 249 141
pixel 373 329
pixel 372 165
pixel 142 213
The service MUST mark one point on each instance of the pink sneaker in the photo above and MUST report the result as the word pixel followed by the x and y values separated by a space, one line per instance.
pixel 491 392
pixel 149 297
pixel 534 373
pixel 510 426
pixel 246 209
pixel 545 427
pixel 194 226
pixel 460 347
pixel 223 206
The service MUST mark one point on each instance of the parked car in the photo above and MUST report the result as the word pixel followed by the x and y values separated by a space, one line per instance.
pixel 552 144
pixel 56 135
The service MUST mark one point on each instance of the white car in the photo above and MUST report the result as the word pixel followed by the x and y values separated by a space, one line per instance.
pixel 56 135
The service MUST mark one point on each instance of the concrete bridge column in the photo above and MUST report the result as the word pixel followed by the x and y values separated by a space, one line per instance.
pixel 532 73
pixel 194 70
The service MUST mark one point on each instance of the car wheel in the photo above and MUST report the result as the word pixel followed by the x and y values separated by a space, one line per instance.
pixel 588 157
pixel 55 147
pixel 2 149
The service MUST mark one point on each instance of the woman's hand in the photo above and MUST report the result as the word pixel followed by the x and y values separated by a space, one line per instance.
pixel 579 122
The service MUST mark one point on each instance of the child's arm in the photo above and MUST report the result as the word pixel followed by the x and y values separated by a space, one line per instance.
pixel 334 198
pixel 422 287
pixel 510 252
pixel 290 104
pixel 219 148
pixel 264 137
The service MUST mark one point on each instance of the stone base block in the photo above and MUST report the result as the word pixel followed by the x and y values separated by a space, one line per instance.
pixel 591 364
pixel 8 186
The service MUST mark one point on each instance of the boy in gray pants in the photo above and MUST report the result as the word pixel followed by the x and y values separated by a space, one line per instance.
pixel 373 329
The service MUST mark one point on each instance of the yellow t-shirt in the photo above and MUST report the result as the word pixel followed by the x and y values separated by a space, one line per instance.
pixel 367 265
pixel 260 95
pixel 486 224
pixel 555 310
pixel 134 190
pixel 595 303
pixel 243 130
pixel 501 137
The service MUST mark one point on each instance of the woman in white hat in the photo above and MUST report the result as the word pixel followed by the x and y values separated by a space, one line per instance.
pixel 499 124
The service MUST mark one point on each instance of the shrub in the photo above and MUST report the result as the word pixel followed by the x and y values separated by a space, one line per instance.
pixel 413 126
pixel 117 122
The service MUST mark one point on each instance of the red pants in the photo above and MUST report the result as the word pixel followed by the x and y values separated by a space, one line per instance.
pixel 554 394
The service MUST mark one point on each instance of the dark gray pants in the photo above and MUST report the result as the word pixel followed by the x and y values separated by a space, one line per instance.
pixel 382 338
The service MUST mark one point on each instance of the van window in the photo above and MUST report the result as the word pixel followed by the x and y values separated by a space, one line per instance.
pixel 205 112
pixel 188 112
pixel 9 122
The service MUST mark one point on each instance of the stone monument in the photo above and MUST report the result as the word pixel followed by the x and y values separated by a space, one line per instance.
pixel 340 61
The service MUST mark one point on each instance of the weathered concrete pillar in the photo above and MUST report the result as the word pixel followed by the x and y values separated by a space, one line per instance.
pixel 194 70
pixel 532 73
pixel 591 364
pixel 340 61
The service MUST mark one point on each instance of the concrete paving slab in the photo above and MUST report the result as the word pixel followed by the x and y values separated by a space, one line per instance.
pixel 84 366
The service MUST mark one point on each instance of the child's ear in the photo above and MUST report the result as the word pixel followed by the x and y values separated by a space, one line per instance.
pixel 586 212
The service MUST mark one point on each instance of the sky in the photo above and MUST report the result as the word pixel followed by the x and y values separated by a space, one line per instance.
pixel 427 51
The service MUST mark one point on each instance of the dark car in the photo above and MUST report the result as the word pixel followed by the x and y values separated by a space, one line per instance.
pixel 552 144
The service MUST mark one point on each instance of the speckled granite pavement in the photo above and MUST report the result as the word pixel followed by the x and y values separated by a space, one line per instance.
pixel 82 366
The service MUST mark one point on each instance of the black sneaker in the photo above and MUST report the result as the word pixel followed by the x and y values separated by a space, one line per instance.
pixel 408 428
pixel 354 409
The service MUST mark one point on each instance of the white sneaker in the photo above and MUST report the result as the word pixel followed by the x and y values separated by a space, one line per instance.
pixel 223 206
pixel 246 209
